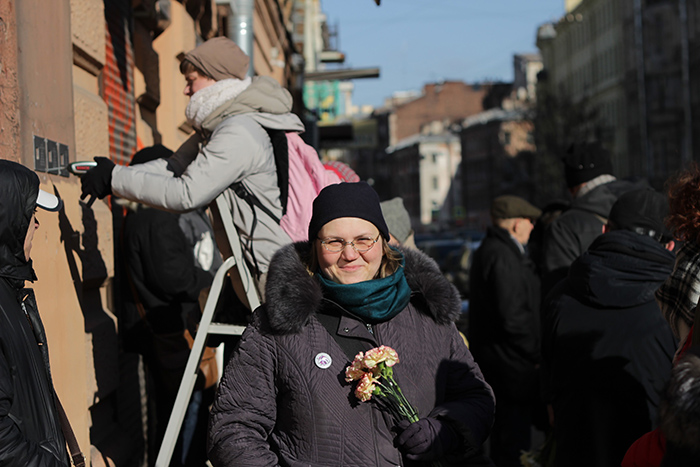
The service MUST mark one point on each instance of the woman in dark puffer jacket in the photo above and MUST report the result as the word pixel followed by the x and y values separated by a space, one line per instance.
pixel 283 399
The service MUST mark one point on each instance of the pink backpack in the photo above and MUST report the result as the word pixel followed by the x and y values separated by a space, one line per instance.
pixel 306 177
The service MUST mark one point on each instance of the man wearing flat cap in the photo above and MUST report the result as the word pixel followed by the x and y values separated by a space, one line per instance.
pixel 231 114
pixel 606 348
pixel 504 329
pixel 590 181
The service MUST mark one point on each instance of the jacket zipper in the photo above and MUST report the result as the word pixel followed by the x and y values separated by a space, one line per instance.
pixel 47 391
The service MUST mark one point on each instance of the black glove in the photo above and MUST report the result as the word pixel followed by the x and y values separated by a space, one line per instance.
pixel 97 182
pixel 427 439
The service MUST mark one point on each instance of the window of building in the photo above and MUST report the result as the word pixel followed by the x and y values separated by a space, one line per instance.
pixel 435 183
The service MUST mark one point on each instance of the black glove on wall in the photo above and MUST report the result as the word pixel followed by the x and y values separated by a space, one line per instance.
pixel 97 182
pixel 427 439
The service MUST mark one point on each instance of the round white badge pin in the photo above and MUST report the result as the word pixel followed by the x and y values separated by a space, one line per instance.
pixel 323 360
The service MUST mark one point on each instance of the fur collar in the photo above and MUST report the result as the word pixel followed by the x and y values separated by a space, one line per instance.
pixel 292 295
pixel 205 101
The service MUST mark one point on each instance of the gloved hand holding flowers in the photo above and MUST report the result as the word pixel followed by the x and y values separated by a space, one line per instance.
pixel 423 439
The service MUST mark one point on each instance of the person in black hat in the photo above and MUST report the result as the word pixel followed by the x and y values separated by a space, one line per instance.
pixel 606 347
pixel 590 181
pixel 503 329
pixel 283 399
pixel 30 431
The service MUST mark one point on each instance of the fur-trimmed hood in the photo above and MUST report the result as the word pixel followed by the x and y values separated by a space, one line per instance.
pixel 292 296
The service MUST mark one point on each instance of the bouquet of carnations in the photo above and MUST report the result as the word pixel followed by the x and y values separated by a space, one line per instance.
pixel 375 375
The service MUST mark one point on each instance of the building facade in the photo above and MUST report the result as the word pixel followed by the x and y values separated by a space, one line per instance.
pixel 498 155
pixel 448 100
pixel 85 78
pixel 634 65
pixel 424 169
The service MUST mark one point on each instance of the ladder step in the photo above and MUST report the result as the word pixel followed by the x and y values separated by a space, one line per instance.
pixel 226 329
pixel 206 327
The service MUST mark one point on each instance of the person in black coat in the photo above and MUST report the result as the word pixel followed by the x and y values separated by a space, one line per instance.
pixel 162 290
pixel 284 399
pixel 606 348
pixel 588 173
pixel 504 325
pixel 30 431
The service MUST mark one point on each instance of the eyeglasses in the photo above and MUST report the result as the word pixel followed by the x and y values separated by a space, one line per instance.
pixel 360 245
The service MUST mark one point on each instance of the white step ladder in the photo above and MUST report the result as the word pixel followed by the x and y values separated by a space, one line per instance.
pixel 206 328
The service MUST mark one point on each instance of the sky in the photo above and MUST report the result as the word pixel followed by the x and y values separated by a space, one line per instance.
pixel 415 42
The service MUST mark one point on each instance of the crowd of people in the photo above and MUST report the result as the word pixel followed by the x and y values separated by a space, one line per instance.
pixel 580 321
pixel 576 327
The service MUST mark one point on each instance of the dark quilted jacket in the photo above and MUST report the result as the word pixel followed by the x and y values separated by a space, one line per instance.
pixel 570 235
pixel 276 406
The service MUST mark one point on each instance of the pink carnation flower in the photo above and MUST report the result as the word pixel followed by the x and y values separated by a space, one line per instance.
pixel 380 354
pixel 365 388
pixel 355 371
pixel 375 377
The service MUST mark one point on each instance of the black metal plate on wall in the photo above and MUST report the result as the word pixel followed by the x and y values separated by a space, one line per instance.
pixel 63 160
pixel 51 157
pixel 40 162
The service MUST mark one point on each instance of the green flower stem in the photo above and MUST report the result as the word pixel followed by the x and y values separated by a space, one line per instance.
pixel 411 413
pixel 394 402
pixel 393 393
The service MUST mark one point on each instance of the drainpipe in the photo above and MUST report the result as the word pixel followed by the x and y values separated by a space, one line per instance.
pixel 240 28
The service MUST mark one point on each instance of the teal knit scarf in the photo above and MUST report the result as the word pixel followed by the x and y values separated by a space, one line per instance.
pixel 374 301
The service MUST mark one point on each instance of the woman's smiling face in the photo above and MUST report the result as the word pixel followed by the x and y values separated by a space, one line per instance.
pixel 349 266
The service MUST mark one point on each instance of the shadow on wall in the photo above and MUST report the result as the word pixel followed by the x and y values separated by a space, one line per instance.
pixel 116 432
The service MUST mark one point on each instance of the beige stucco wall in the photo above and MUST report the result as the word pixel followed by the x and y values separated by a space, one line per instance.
pixel 46 109
pixel 144 132
pixel 268 49
pixel 92 139
pixel 178 38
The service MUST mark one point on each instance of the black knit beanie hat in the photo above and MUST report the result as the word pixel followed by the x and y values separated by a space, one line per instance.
pixel 584 162
pixel 347 200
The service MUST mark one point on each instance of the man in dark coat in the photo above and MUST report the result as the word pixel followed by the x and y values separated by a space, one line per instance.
pixel 606 348
pixel 588 173
pixel 504 324
pixel 30 431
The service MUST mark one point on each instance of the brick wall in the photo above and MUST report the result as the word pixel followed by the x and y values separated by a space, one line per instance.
pixel 451 100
